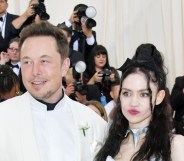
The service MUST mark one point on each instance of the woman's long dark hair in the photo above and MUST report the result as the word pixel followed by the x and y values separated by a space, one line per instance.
pixel 98 49
pixel 158 137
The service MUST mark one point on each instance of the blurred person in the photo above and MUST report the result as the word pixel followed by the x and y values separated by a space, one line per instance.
pixel 97 107
pixel 114 93
pixel 7 31
pixel 74 55
pixel 12 58
pixel 14 55
pixel 83 39
pixel 76 90
pixel 9 83
pixel 109 107
pixel 44 124
pixel 177 104
pixel 100 73
pixel 30 16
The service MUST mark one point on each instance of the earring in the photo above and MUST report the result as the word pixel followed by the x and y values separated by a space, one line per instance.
pixel 17 92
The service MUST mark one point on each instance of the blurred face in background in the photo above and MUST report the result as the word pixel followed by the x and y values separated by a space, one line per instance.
pixel 3 7
pixel 100 60
pixel 13 52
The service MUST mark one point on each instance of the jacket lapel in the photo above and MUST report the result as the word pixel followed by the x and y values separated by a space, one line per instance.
pixel 82 141
pixel 29 147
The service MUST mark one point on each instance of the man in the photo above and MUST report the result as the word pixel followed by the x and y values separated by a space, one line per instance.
pixel 74 55
pixel 29 16
pixel 13 52
pixel 83 39
pixel 44 124
pixel 12 58
pixel 7 31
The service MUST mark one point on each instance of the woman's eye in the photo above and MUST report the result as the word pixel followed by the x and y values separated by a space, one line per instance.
pixel 146 94
pixel 126 93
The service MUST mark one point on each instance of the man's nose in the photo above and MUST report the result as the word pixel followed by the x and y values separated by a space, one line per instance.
pixel 36 69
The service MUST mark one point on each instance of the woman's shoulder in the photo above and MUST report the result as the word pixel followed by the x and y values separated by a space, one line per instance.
pixel 177 140
pixel 177 147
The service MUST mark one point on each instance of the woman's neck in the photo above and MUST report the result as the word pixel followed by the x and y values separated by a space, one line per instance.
pixel 98 69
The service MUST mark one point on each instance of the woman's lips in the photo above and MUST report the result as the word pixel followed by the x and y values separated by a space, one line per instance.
pixel 133 112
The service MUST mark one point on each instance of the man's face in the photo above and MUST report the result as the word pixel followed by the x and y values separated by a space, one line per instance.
pixel 13 52
pixel 42 68
pixel 3 7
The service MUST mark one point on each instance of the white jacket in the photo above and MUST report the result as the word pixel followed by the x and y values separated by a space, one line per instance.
pixel 17 139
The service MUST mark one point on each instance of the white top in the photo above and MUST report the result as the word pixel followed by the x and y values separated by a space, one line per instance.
pixel 109 158
pixel 2 25
pixel 49 126
pixel 16 70
pixel 109 106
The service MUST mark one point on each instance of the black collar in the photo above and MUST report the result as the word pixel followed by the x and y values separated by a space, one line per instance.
pixel 51 106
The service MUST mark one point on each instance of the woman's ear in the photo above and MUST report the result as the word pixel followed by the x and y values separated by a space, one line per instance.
pixel 160 96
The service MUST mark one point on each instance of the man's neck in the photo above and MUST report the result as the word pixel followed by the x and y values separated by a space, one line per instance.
pixel 14 62
pixel 2 14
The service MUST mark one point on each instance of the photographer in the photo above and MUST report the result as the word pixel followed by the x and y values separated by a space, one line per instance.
pixel 76 89
pixel 83 37
pixel 100 73
pixel 36 12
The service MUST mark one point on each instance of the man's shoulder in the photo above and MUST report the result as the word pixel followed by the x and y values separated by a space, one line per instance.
pixel 11 16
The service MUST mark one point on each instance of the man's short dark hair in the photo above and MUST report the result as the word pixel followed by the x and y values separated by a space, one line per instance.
pixel 44 28
pixel 79 6
pixel 16 39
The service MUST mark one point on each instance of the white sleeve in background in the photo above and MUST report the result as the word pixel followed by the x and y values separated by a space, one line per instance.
pixel 68 23
pixel 90 40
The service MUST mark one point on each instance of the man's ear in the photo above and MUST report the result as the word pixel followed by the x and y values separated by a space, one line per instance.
pixel 65 66
pixel 160 96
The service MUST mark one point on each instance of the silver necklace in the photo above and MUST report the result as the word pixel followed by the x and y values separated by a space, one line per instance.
pixel 136 133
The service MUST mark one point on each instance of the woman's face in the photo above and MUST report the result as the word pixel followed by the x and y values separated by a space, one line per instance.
pixel 100 60
pixel 135 100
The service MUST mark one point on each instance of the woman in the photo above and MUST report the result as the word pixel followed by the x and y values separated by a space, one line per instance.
pixel 99 71
pixel 141 130
pixel 9 83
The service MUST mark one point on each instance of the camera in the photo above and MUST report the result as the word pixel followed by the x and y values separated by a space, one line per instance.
pixel 79 87
pixel 40 9
pixel 106 76
pixel 85 14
